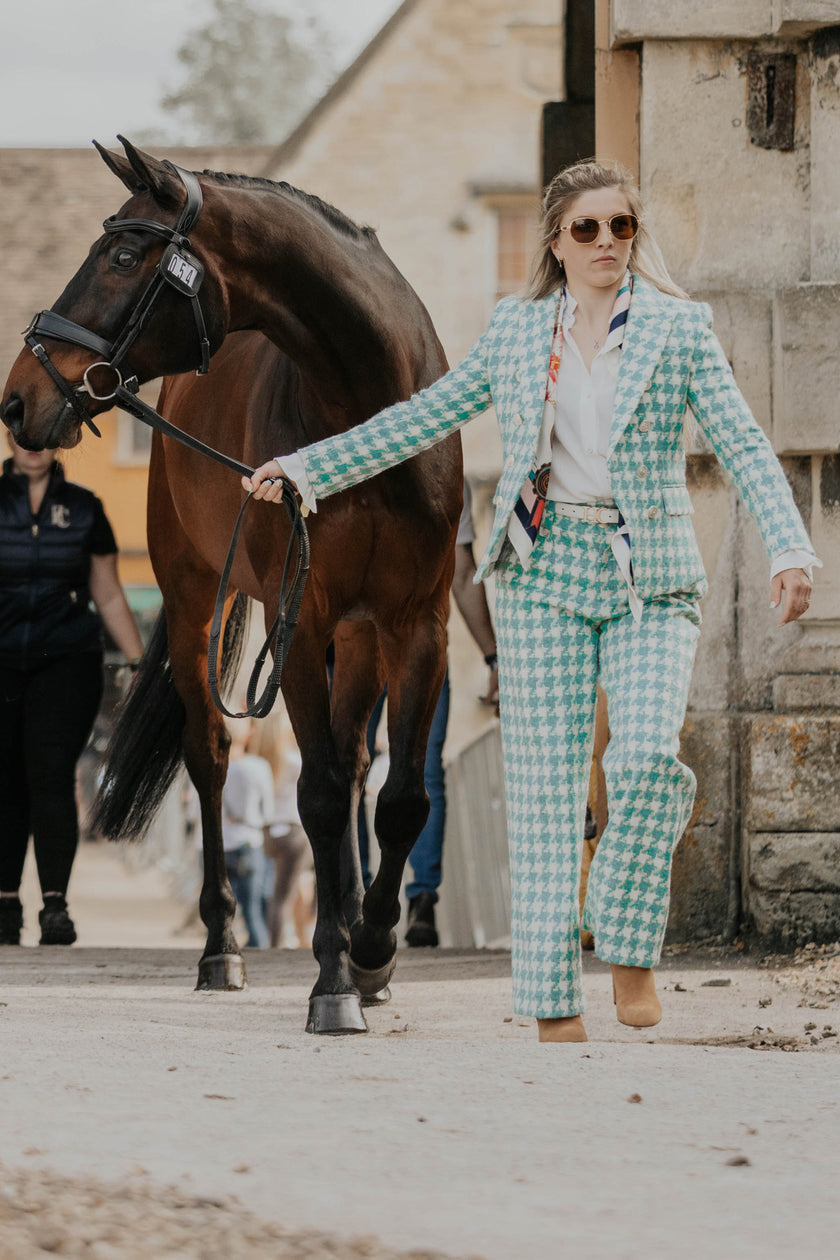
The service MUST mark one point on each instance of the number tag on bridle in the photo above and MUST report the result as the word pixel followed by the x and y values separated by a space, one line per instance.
pixel 181 269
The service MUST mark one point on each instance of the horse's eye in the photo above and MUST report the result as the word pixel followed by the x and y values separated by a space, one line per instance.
pixel 125 259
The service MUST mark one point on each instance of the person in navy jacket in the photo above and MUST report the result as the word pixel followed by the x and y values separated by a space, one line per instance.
pixel 57 556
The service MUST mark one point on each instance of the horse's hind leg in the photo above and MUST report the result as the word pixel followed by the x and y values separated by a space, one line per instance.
pixel 189 589
pixel 416 666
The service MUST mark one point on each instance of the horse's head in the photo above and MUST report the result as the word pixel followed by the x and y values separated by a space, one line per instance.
pixel 144 300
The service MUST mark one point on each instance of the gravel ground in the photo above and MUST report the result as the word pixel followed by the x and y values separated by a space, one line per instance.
pixel 45 1214
pixel 138 1117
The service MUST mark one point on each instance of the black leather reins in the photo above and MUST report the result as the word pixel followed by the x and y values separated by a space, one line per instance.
pixel 180 268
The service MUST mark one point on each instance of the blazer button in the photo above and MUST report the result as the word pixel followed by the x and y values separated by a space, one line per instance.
pixel 645 426
pixel 509 462
pixel 517 419
pixel 652 513
pixel 642 472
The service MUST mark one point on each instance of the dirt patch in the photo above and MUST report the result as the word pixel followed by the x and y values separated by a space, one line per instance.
pixel 42 1213
pixel 814 971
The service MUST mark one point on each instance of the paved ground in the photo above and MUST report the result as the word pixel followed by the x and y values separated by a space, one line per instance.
pixel 447 1127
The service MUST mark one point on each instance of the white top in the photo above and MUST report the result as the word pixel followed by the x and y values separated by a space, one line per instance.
pixel 466 530
pixel 247 802
pixel 583 416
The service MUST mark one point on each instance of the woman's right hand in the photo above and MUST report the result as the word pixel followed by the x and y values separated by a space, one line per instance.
pixel 266 482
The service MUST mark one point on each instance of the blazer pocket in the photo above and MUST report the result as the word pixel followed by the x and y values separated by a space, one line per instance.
pixel 676 501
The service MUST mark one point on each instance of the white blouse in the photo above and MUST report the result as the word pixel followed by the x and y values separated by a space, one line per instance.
pixel 583 416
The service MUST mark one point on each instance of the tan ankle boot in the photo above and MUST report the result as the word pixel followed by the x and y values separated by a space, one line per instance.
pixel 634 994
pixel 570 1029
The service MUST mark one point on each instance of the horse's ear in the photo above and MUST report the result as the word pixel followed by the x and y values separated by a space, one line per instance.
pixel 154 175
pixel 122 169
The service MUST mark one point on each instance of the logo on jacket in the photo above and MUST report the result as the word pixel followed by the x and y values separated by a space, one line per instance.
pixel 60 516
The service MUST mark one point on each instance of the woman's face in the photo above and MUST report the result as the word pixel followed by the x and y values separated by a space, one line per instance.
pixel 30 463
pixel 602 263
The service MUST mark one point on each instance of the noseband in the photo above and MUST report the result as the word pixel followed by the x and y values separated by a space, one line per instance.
pixel 178 268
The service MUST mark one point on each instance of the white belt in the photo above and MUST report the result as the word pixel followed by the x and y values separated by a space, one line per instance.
pixel 592 513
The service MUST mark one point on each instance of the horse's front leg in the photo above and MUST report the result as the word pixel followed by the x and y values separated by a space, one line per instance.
pixel 325 796
pixel 416 665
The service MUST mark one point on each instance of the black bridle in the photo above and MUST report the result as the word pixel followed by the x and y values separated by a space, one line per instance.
pixel 179 268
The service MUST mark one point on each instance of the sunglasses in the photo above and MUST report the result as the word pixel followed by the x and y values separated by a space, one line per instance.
pixel 622 227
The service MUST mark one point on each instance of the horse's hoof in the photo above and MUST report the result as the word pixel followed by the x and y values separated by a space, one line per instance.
pixel 222 971
pixel 372 982
pixel 377 999
pixel 336 1015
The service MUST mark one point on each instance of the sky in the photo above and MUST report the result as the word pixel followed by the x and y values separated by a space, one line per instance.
pixel 78 69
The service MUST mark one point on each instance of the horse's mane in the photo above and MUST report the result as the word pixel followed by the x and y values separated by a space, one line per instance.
pixel 333 216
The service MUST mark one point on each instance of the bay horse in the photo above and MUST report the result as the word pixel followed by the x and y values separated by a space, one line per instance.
pixel 309 328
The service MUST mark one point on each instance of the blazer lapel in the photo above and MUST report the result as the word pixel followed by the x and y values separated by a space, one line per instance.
pixel 536 327
pixel 648 323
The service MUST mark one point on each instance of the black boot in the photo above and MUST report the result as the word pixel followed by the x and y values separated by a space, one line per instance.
pixel 57 927
pixel 11 920
pixel 421 920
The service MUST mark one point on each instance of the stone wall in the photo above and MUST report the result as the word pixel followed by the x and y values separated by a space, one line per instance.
pixel 755 231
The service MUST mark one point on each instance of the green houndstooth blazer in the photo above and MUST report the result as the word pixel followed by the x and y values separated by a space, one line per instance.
pixel 670 360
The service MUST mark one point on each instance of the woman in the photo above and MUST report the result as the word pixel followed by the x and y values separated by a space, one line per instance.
pixel 57 553
pixel 598 573
pixel 247 813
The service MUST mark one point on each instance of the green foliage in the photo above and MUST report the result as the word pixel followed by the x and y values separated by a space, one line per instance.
pixel 250 75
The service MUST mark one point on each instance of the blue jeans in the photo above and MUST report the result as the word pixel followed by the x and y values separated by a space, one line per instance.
pixel 427 854
pixel 246 872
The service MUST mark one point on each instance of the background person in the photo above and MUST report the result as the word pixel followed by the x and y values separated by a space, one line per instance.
pixel 598 573
pixel 247 812
pixel 426 856
pixel 57 554
pixel 287 906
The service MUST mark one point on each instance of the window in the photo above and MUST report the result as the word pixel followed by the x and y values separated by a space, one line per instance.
pixel 134 438
pixel 517 237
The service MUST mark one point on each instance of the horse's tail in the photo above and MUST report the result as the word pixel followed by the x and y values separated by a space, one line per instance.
pixel 146 748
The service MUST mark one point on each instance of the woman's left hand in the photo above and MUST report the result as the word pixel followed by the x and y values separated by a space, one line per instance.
pixel 793 587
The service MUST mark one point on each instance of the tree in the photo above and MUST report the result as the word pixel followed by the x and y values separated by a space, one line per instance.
pixel 250 75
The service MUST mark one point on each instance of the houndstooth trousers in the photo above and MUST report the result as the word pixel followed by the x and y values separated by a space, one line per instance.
pixel 563 625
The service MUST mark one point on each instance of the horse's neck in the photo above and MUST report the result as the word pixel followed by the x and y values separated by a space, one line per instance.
pixel 316 296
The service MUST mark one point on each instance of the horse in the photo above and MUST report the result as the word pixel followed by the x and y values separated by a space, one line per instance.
pixel 308 328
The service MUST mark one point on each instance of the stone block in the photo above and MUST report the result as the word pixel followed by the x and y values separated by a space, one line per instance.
pixel 802 17
pixel 790 773
pixel 794 862
pixel 786 921
pixel 634 20
pixel 693 122
pixel 812 692
pixel 742 323
pixel 806 368
pixel 700 873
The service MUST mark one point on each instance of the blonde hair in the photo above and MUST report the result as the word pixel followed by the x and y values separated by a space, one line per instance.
pixel 645 255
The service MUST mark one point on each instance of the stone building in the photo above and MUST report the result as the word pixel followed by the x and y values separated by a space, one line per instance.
pixel 432 137
pixel 731 115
